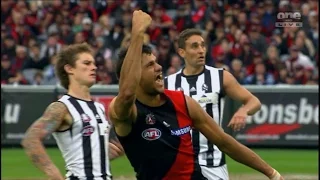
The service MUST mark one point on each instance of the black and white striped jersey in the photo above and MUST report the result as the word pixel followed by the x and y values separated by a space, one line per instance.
pixel 84 146
pixel 207 89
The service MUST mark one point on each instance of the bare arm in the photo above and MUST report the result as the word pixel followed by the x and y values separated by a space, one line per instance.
pixel 122 109
pixel 43 127
pixel 129 78
pixel 235 91
pixel 209 128
pixel 251 104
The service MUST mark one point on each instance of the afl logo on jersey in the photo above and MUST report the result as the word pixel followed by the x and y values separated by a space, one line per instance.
pixel 85 118
pixel 151 134
pixel 87 130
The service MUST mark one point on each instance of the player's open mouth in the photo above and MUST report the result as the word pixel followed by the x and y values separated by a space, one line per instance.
pixel 159 78
pixel 201 57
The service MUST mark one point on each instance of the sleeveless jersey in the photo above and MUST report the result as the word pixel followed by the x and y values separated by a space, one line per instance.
pixel 159 145
pixel 84 146
pixel 207 89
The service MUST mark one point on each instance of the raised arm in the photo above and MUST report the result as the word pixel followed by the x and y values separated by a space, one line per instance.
pixel 209 128
pixel 40 129
pixel 122 109
pixel 235 91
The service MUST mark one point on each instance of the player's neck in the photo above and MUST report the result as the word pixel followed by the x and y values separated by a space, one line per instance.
pixel 80 91
pixel 150 100
pixel 189 70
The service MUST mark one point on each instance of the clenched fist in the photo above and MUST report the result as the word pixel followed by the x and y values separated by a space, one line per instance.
pixel 140 21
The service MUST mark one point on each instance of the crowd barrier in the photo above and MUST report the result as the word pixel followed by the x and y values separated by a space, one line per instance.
pixel 289 115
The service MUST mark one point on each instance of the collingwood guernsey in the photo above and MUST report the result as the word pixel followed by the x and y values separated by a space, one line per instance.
pixel 207 89
pixel 84 146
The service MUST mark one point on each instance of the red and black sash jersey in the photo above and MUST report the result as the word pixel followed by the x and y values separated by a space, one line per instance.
pixel 159 145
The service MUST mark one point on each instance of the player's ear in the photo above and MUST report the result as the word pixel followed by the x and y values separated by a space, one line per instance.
pixel 181 52
pixel 68 68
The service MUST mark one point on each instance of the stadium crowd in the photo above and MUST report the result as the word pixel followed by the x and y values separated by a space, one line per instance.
pixel 240 35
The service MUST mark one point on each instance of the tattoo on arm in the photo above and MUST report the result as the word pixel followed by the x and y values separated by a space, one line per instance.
pixel 42 128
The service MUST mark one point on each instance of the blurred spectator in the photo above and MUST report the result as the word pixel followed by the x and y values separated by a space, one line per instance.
pixel 21 58
pixel 87 10
pixel 35 61
pixel 183 18
pixel 175 64
pixel 104 22
pixel 257 39
pixel 9 46
pixel 49 76
pixel 260 76
pixel 238 70
pixel 290 79
pixel 273 62
pixel 198 14
pixel 296 58
pixel 161 23
pixel 51 47
pixel 304 44
pixel 283 74
pixel 6 70
pixel 115 37
pixel 38 78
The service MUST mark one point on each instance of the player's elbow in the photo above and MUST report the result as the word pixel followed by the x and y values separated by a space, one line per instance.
pixel 221 144
pixel 25 142
pixel 126 96
pixel 258 103
pixel 255 104
pixel 225 144
pixel 30 140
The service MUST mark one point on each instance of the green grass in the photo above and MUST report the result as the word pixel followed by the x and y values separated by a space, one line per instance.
pixel 285 161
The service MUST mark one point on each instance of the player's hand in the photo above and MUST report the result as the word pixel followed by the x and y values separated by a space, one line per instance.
pixel 238 120
pixel 53 173
pixel 56 177
pixel 115 149
pixel 276 176
pixel 140 21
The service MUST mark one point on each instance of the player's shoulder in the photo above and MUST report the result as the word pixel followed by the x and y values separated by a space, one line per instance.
pixel 100 105
pixel 174 74
pixel 64 98
pixel 173 93
pixel 56 108
pixel 213 68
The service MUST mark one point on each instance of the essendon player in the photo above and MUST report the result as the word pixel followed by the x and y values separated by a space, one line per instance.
pixel 153 124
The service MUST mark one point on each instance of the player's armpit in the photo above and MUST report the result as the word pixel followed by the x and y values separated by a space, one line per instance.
pixel 121 111
pixel 43 127
pixel 121 117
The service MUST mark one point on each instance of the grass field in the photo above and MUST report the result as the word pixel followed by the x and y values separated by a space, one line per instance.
pixel 294 164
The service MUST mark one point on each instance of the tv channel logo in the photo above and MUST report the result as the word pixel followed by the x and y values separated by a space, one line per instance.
pixel 289 19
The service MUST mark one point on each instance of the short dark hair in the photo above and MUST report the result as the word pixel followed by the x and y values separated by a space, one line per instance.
pixel 185 34
pixel 69 56
pixel 122 54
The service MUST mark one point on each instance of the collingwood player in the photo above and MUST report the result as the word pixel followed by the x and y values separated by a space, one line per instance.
pixel 78 124
pixel 207 85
